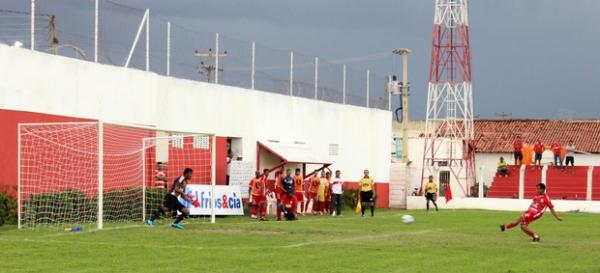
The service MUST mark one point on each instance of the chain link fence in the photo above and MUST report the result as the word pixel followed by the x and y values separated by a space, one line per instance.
pixel 110 33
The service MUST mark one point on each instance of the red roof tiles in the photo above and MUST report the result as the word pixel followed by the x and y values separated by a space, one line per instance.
pixel 497 136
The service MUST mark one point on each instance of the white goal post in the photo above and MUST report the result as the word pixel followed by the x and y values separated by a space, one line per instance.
pixel 73 173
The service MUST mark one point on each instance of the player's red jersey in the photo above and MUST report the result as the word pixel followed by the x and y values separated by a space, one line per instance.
pixel 278 186
pixel 518 145
pixel 536 210
pixel 289 203
pixel 539 148
pixel 555 148
pixel 539 203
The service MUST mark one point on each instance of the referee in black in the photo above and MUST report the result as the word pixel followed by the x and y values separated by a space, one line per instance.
pixel 431 192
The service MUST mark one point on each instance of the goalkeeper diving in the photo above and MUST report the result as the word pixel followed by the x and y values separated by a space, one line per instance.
pixel 171 201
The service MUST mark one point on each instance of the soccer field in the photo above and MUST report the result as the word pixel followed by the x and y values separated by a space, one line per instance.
pixel 445 241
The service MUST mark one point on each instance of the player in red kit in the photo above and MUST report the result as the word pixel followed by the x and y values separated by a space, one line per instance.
pixel 259 196
pixel 538 205
pixel 279 192
pixel 299 187
pixel 289 205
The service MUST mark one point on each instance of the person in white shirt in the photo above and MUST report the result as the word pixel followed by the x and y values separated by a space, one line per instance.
pixel 570 158
pixel 336 194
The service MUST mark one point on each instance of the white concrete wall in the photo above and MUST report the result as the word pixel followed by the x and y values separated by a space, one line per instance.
pixel 38 82
pixel 418 202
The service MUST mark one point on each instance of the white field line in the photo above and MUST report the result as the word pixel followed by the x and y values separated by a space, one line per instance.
pixel 353 239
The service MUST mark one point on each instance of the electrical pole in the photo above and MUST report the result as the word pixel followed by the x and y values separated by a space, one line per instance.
pixel 52 35
pixel 404 85
pixel 208 67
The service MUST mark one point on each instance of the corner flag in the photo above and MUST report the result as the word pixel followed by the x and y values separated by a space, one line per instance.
pixel 448 193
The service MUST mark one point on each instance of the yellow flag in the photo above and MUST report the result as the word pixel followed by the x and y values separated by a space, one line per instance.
pixel 358 206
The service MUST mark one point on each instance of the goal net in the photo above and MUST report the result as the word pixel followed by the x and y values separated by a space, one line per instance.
pixel 91 172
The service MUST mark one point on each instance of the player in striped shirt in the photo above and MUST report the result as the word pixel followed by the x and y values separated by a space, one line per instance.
pixel 538 205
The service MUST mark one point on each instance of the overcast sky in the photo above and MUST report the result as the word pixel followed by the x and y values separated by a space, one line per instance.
pixel 531 58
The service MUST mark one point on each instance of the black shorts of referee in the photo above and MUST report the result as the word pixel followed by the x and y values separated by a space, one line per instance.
pixel 430 196
pixel 366 196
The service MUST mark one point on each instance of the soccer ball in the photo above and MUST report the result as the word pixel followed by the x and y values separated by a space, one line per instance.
pixel 407 219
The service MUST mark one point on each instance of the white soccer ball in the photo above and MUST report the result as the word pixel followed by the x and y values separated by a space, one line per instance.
pixel 407 219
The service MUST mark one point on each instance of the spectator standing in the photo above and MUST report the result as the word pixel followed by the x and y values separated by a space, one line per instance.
pixel 160 176
pixel 229 159
pixel 337 189
pixel 556 152
pixel 538 148
pixel 518 151
pixel 570 155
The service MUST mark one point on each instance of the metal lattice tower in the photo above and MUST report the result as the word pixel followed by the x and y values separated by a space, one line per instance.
pixel 449 128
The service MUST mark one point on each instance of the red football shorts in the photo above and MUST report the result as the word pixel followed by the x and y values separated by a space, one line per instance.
pixel 311 195
pixel 257 199
pixel 530 216
pixel 299 196
pixel 278 193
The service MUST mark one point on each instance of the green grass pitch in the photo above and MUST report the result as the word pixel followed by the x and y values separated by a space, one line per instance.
pixel 445 241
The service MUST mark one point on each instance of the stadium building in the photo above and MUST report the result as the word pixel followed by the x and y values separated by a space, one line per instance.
pixel 264 129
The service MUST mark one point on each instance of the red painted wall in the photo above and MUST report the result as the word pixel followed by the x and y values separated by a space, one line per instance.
pixel 221 160
pixel 382 189
pixel 8 139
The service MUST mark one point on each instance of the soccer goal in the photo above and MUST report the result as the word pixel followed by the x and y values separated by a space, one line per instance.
pixel 95 172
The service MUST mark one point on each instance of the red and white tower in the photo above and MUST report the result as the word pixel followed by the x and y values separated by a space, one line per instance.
pixel 449 152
